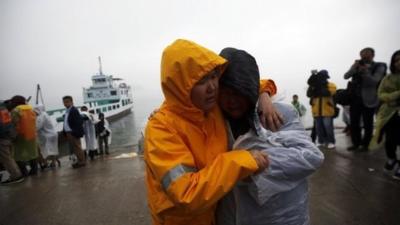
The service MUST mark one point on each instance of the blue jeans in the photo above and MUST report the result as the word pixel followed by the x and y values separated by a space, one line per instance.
pixel 324 127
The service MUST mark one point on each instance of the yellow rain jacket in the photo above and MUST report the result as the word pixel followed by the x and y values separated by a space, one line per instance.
pixel 25 146
pixel 324 106
pixel 188 168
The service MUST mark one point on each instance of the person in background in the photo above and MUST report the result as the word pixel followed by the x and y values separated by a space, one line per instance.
pixel 301 109
pixel 73 129
pixel 103 132
pixel 388 118
pixel 89 129
pixel 279 194
pixel 7 134
pixel 346 119
pixel 188 168
pixel 25 144
pixel 321 92
pixel 47 137
pixel 365 77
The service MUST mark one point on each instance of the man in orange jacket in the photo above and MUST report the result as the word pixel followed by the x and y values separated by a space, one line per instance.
pixel 188 168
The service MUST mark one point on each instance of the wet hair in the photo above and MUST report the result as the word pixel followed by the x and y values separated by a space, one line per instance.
pixel 101 115
pixel 392 62
pixel 241 74
pixel 368 49
pixel 67 97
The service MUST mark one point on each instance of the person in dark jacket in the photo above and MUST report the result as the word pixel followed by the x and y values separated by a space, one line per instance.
pixel 103 132
pixel 73 129
pixel 365 74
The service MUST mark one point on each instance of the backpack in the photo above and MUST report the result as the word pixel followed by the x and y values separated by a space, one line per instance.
pixel 342 97
pixel 7 129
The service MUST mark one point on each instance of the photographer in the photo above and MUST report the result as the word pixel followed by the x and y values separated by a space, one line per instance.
pixel 320 92
pixel 365 77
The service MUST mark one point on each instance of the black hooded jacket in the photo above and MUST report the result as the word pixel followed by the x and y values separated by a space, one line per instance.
pixel 243 76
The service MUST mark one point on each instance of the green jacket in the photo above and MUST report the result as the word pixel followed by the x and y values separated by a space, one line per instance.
pixel 389 96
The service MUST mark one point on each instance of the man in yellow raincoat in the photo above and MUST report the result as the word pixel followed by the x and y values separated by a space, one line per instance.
pixel 188 168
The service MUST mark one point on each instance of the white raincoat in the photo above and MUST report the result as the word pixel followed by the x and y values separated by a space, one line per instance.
pixel 279 195
pixel 89 122
pixel 47 133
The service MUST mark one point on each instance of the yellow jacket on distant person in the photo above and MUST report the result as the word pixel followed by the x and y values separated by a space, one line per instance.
pixel 324 106
pixel 188 168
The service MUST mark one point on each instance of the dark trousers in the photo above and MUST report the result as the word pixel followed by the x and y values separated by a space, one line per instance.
pixel 358 111
pixel 105 141
pixel 325 133
pixel 6 158
pixel 392 131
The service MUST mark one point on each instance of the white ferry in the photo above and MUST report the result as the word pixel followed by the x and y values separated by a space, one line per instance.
pixel 107 95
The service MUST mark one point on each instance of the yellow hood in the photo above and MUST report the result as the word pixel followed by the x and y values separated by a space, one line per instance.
pixel 184 63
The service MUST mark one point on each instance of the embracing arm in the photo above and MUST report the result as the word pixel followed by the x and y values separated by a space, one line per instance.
pixel 270 117
pixel 173 166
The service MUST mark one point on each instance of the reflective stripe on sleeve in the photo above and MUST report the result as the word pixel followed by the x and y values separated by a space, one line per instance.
pixel 175 173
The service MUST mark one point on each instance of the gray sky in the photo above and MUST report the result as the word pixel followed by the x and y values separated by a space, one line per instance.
pixel 56 43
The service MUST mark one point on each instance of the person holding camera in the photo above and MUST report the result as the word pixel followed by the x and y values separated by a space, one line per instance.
pixel 321 92
pixel 365 77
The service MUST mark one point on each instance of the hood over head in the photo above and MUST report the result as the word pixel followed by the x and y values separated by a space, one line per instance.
pixel 243 76
pixel 242 73
pixel 183 64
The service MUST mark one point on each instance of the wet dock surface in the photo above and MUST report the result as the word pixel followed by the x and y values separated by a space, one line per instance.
pixel 349 189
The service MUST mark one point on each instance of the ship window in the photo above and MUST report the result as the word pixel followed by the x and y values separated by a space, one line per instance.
pixel 113 106
pixel 118 106
pixel 98 111
pixel 104 109
pixel 109 108
pixel 113 92
pixel 90 95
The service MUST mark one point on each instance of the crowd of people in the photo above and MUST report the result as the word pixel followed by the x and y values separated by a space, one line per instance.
pixel 218 150
pixel 371 97
pixel 29 139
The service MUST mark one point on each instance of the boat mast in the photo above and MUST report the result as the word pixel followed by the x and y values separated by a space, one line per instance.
pixel 39 93
pixel 100 69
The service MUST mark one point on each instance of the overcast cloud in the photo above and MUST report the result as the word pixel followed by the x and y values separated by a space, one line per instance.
pixel 56 43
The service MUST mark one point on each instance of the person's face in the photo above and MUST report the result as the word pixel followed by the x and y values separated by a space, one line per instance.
pixel 397 63
pixel 367 55
pixel 295 98
pixel 233 103
pixel 67 103
pixel 204 93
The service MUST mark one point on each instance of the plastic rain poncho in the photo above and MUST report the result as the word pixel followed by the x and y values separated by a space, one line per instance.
pixel 279 195
pixel 47 133
pixel 89 122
